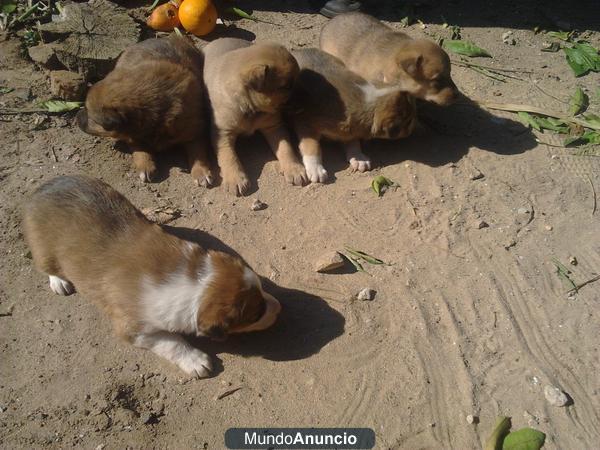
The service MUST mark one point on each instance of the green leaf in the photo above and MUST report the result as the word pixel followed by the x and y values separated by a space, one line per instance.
pixel 524 439
pixel 592 120
pixel 501 429
pixel 58 106
pixel 5 90
pixel 240 13
pixel 8 6
pixel 465 48
pixel 364 256
pixel 579 102
pixel 562 35
pixel 528 120
pixel 550 123
pixel 378 182
pixel 589 137
pixel 582 58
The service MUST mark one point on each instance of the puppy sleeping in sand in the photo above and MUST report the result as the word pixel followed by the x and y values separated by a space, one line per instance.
pixel 331 101
pixel 153 100
pixel 153 286
pixel 247 86
pixel 379 54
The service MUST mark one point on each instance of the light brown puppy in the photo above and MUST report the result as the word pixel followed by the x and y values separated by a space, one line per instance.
pixel 379 54
pixel 153 100
pixel 153 285
pixel 331 101
pixel 247 85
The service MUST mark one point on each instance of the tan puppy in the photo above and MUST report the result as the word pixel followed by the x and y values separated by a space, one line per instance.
pixel 153 100
pixel 331 101
pixel 247 85
pixel 379 54
pixel 87 236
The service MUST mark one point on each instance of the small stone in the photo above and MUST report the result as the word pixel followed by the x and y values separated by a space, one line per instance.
pixel 555 396
pixel 257 205
pixel 507 38
pixel 366 294
pixel 149 418
pixel 100 446
pixel 471 419
pixel 548 227
pixel 329 261
pixel 522 211
pixel 479 224
pixel 572 260
pixel 67 85
pixel 477 175
pixel 45 56
pixel 532 420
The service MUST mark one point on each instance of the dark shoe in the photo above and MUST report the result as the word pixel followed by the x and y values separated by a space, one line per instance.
pixel 336 7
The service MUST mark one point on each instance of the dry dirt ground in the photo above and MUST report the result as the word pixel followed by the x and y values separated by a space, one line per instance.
pixel 466 320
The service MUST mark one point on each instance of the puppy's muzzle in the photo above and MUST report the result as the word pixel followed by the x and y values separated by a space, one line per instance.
pixel 272 310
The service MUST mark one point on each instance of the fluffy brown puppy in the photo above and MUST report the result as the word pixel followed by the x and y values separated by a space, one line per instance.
pixel 153 100
pixel 87 236
pixel 331 101
pixel 247 85
pixel 379 54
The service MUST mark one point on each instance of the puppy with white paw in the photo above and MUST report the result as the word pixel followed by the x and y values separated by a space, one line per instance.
pixel 154 286
pixel 247 85
pixel 330 101
pixel 153 100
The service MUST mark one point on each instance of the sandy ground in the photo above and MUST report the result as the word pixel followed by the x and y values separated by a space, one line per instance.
pixel 466 320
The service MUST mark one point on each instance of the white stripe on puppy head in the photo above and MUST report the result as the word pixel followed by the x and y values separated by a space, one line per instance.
pixel 173 304
pixel 372 93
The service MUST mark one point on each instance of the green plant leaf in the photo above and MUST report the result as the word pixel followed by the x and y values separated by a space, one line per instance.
pixel 524 439
pixel 5 90
pixel 589 137
pixel 378 182
pixel 592 120
pixel 562 35
pixel 58 106
pixel 579 102
pixel 552 48
pixel 8 6
pixel 550 123
pixel 465 48
pixel 240 13
pixel 528 120
pixel 364 256
pixel 582 58
pixel 501 429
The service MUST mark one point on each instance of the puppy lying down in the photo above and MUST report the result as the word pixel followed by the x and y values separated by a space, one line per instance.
pixel 153 286
pixel 153 100
pixel 331 101
pixel 380 54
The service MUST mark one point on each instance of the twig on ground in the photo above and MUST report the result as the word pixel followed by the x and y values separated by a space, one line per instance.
pixel 496 69
pixel 593 192
pixel 585 283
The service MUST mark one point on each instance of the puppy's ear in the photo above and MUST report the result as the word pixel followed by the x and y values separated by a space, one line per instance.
pixel 112 119
pixel 256 77
pixel 412 65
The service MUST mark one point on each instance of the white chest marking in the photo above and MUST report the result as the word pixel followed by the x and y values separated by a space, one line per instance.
pixel 173 304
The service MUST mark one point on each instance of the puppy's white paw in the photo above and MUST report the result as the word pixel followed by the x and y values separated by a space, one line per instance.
pixel 60 286
pixel 314 169
pixel 195 363
pixel 361 163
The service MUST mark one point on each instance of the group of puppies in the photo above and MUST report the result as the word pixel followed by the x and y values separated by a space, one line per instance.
pixel 164 92
pixel 359 85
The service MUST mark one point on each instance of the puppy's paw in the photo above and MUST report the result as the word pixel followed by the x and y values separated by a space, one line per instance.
pixel 361 163
pixel 202 176
pixel 294 173
pixel 60 286
pixel 195 363
pixel 314 169
pixel 236 183
pixel 148 172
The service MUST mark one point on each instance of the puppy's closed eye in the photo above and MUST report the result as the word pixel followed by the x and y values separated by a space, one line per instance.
pixel 112 120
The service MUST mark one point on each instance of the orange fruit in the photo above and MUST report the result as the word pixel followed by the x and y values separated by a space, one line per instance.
pixel 164 18
pixel 199 17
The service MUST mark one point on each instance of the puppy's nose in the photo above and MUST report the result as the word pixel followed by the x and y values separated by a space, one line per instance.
pixel 82 119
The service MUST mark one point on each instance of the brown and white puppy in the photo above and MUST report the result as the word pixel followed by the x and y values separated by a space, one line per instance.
pixel 247 86
pixel 153 285
pixel 379 54
pixel 153 100
pixel 331 101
